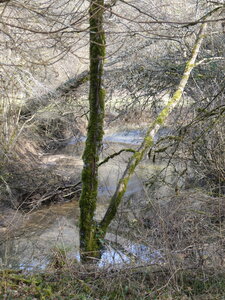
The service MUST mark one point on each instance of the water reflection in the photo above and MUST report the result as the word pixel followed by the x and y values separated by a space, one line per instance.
pixel 30 246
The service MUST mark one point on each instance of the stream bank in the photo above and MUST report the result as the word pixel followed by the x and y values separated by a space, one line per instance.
pixel 29 246
pixel 153 223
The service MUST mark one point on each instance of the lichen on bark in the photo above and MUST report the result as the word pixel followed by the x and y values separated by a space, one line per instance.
pixel 151 131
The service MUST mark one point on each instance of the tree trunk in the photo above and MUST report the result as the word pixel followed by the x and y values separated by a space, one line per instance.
pixel 89 243
pixel 92 233
pixel 148 140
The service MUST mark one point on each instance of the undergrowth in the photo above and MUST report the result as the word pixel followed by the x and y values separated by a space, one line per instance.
pixel 137 283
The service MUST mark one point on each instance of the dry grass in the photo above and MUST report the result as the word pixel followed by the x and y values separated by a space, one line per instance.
pixel 83 283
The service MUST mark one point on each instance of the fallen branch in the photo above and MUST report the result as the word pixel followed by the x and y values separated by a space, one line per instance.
pixel 60 193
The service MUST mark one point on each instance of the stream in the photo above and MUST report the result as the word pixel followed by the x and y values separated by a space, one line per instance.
pixel 33 244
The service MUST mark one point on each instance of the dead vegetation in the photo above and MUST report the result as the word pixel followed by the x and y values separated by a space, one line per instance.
pixel 188 229
pixel 26 181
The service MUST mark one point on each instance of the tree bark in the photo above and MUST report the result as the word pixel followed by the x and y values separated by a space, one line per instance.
pixel 91 233
pixel 89 243
pixel 148 140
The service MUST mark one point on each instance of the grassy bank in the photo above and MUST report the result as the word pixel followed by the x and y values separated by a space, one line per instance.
pixel 130 283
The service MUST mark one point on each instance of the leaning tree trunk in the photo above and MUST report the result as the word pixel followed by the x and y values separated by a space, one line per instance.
pixel 153 128
pixel 89 244
pixel 92 233
pixel 148 140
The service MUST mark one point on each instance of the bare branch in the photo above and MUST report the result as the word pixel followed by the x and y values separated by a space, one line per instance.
pixel 152 130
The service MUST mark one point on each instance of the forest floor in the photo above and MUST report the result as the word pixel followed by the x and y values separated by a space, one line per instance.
pixel 76 282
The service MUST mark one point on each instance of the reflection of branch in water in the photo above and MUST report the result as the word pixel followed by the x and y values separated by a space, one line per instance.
pixel 115 248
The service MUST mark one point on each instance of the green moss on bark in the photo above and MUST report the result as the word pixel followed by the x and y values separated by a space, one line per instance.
pixel 89 243
pixel 148 140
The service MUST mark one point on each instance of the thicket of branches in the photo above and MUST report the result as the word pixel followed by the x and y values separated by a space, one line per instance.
pixel 147 46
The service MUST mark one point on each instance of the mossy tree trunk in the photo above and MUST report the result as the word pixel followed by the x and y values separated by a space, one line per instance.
pixel 151 131
pixel 89 243
pixel 92 233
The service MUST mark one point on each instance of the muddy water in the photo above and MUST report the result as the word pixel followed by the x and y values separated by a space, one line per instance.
pixel 33 244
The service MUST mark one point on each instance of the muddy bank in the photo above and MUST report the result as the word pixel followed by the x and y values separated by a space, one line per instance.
pixel 38 232
pixel 155 222
pixel 187 229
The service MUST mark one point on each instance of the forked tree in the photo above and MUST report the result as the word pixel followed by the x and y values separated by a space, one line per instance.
pixel 91 232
